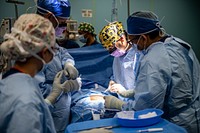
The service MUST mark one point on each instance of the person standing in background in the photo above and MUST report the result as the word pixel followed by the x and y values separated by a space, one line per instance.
pixel 66 42
pixel 87 34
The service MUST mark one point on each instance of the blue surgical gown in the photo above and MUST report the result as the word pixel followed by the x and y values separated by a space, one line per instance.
pixel 61 110
pixel 169 79
pixel 22 106
pixel 124 69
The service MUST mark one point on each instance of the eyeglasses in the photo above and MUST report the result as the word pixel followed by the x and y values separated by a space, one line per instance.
pixel 62 25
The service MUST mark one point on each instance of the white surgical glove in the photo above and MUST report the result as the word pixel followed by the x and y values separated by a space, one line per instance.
pixel 56 89
pixel 112 102
pixel 118 88
pixel 72 85
pixel 68 85
pixel 70 70
pixel 127 93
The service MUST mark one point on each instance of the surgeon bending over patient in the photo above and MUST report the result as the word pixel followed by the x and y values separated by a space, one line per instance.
pixel 126 57
pixel 168 76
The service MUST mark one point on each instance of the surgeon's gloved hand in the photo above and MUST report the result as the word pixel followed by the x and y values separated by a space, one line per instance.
pixel 127 93
pixel 56 89
pixel 68 85
pixel 112 102
pixel 110 84
pixel 72 85
pixel 117 88
pixel 70 71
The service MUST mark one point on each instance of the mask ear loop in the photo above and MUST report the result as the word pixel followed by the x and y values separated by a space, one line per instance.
pixel 162 31
pixel 31 8
pixel 127 46
pixel 139 41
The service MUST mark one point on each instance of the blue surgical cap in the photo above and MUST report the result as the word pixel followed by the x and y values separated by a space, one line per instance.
pixel 60 8
pixel 139 25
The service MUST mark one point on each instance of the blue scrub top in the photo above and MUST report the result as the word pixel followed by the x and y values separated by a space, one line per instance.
pixel 22 107
pixel 124 69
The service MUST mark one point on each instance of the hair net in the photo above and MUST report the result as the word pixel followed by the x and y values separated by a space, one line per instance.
pixel 86 27
pixel 141 25
pixel 110 34
pixel 29 35
pixel 60 8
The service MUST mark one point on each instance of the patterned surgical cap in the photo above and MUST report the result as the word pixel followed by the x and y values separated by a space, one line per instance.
pixel 110 34
pixel 30 34
pixel 86 27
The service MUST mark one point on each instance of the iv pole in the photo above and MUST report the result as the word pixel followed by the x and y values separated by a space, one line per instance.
pixel 114 16
pixel 128 7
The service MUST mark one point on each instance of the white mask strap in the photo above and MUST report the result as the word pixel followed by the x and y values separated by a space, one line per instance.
pixel 29 40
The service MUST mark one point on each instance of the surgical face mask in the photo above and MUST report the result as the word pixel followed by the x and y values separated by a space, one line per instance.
pixel 118 53
pixel 82 39
pixel 59 32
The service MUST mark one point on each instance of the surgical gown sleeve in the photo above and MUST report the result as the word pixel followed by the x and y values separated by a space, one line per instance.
pixel 23 109
pixel 34 119
pixel 64 56
pixel 151 80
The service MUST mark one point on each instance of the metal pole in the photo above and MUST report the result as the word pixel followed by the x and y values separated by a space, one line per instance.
pixel 114 11
pixel 16 11
pixel 128 7
pixel 15 3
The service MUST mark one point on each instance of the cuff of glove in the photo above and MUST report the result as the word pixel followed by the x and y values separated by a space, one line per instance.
pixel 120 104
pixel 68 63
pixel 127 93
pixel 48 102
pixel 51 99
pixel 115 103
